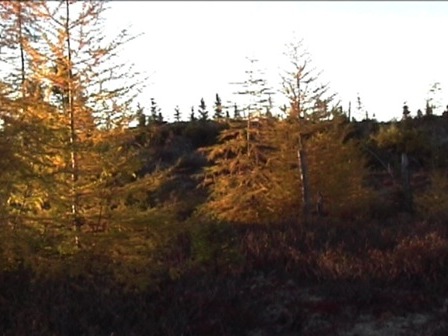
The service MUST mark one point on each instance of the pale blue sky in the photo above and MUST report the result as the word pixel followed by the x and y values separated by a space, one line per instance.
pixel 389 52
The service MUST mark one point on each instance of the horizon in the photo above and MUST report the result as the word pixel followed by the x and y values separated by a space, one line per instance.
pixel 386 56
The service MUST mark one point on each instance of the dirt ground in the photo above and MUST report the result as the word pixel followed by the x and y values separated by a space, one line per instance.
pixel 347 310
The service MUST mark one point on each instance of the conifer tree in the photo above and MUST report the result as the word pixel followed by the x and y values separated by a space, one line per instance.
pixel 20 23
pixel 236 112
pixel 155 110
pixel 177 114
pixel 254 90
pixel 141 117
pixel 242 180
pixel 88 96
pixel 338 169
pixel 15 167
pixel 203 113
pixel 27 119
pixel 433 101
pixel 241 186
pixel 218 108
pixel 309 107
pixel 301 85
pixel 192 114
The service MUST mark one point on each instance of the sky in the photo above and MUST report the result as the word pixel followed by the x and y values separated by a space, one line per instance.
pixel 388 53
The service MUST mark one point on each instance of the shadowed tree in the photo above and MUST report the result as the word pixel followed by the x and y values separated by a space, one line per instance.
pixel 218 109
pixel 141 117
pixel 236 112
pixel 308 107
pixel 203 113
pixel 177 114
pixel 155 111
pixel 192 114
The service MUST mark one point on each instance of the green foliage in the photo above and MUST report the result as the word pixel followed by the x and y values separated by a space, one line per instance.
pixel 338 170
pixel 400 138
pixel 433 202
pixel 215 245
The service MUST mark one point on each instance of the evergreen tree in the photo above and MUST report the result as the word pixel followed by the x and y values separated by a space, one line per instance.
pixel 361 111
pixel 338 169
pixel 428 108
pixel 434 99
pixel 141 117
pixel 269 107
pixel 155 110
pixel 236 112
pixel 192 115
pixel 218 109
pixel 203 113
pixel 177 114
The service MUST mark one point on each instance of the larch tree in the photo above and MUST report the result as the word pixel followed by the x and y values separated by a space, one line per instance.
pixel 19 24
pixel 304 95
pixel 338 170
pixel 255 92
pixel 239 177
pixel 89 92
pixel 25 121
pixel 308 97
pixel 240 181
pixel 14 166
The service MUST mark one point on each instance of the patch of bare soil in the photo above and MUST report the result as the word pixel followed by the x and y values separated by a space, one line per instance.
pixel 345 310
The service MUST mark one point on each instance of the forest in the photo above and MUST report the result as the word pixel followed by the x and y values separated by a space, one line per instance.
pixel 232 219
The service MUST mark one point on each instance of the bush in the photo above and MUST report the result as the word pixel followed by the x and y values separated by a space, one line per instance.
pixel 433 203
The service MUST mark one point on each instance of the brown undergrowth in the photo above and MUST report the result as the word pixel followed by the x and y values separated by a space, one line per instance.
pixel 217 279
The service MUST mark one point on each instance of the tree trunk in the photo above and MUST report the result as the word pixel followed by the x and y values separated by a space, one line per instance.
pixel 22 55
pixel 71 111
pixel 406 182
pixel 304 176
